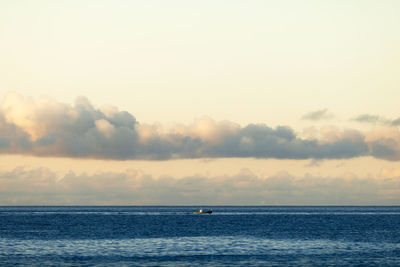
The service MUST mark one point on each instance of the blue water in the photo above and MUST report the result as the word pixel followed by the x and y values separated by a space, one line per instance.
pixel 172 236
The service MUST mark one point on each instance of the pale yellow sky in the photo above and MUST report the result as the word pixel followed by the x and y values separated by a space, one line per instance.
pixel 258 61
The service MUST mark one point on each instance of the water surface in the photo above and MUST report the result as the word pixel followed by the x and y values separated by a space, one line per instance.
pixel 172 236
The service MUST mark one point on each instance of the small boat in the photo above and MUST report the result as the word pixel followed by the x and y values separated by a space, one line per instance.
pixel 201 211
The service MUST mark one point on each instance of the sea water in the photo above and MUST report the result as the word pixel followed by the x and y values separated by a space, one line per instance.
pixel 173 236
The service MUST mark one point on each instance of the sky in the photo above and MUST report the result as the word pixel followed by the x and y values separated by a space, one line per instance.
pixel 199 103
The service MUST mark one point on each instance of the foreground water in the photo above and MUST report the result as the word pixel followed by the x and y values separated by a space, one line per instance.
pixel 172 236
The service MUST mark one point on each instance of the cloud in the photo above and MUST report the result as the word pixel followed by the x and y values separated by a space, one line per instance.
pixel 46 127
pixel 368 118
pixel 375 119
pixel 260 141
pixel 314 163
pixel 322 114
pixel 384 143
pixel 49 128
pixel 41 186
pixel 396 122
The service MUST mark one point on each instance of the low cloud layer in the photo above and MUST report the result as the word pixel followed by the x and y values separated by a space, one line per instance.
pixel 43 187
pixel 46 127
pixel 317 115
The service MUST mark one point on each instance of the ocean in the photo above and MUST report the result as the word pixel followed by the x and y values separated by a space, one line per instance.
pixel 173 236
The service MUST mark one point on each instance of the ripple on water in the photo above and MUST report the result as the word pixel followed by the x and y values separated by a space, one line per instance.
pixel 186 246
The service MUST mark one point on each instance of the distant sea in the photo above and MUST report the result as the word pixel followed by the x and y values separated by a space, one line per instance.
pixel 173 236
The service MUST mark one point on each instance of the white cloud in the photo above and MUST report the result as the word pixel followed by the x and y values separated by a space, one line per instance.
pixel 105 127
pixel 46 127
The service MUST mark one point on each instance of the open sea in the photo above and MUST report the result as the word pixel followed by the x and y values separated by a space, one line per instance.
pixel 173 236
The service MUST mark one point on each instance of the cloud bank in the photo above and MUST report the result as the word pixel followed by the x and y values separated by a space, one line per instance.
pixel 46 127
pixel 41 186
